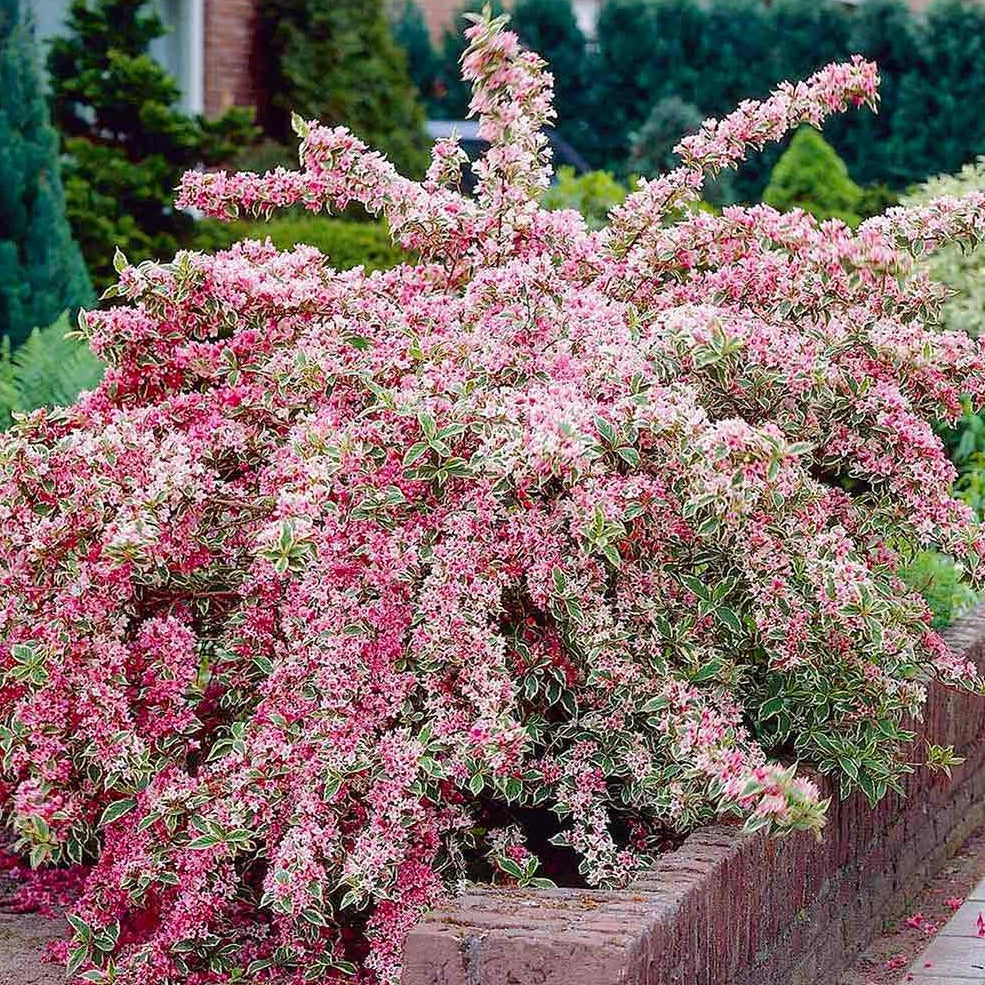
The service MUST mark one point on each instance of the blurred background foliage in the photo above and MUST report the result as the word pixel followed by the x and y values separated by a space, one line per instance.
pixel 90 163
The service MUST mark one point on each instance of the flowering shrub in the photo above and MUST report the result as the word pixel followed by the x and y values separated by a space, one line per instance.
pixel 963 270
pixel 337 580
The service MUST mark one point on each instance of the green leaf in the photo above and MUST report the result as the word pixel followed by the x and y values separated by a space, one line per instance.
pixel 707 527
pixel 415 452
pixel 81 928
pixel 771 707
pixel 868 787
pixel 299 125
pixel 351 899
pixel 116 810
pixel 605 430
pixel 612 555
pixel 629 455
pixel 76 959
pixel 728 617
pixel 510 867
pixel 696 586
pixel 314 917
pixel 708 670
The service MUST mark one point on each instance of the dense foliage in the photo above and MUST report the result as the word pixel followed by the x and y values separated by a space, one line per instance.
pixel 127 142
pixel 410 32
pixel 714 53
pixel 550 29
pixel 41 269
pixel 963 270
pixel 336 61
pixel 940 581
pixel 50 369
pixel 593 194
pixel 345 243
pixel 340 580
pixel 653 147
pixel 810 176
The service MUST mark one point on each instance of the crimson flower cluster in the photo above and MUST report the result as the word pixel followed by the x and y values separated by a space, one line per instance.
pixel 341 583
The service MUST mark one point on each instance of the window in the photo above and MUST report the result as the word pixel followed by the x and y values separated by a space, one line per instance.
pixel 180 51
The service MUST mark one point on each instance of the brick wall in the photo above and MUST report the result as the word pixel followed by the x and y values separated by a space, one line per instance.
pixel 230 54
pixel 729 908
pixel 439 14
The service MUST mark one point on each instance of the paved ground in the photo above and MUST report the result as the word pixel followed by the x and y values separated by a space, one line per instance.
pixel 22 941
pixel 23 938
pixel 956 955
pixel 911 928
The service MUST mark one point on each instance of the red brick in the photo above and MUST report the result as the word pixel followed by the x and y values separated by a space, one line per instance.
pixel 231 65
pixel 730 907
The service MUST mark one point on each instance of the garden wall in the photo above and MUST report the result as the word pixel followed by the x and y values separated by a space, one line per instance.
pixel 729 908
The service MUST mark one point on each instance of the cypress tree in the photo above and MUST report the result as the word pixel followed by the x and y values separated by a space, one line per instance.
pixel 128 143
pixel 884 32
pixel 549 28
pixel 939 124
pixel 622 70
pixel 410 31
pixel 336 61
pixel 41 268
pixel 811 176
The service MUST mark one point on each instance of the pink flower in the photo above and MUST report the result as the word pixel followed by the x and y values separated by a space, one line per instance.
pixel 337 578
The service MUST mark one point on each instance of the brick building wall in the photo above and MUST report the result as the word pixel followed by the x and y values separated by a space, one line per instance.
pixel 230 54
pixel 439 14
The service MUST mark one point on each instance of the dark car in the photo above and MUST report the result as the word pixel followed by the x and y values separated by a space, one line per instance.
pixel 475 146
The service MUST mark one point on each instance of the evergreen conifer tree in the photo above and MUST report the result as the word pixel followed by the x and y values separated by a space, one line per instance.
pixel 127 141
pixel 410 31
pixel 41 268
pixel 811 176
pixel 549 28
pixel 336 61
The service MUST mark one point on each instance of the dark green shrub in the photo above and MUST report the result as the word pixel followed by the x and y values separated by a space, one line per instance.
pixel 632 68
pixel 549 28
pixel 127 143
pixel 811 176
pixel 939 581
pixel 410 31
pixel 938 124
pixel 41 268
pixel 652 150
pixel 336 61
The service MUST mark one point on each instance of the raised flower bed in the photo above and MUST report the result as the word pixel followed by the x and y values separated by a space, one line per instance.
pixel 731 908
pixel 545 548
